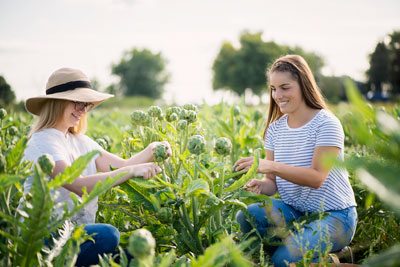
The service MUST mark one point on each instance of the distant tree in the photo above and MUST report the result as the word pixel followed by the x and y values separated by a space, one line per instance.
pixel 332 88
pixel 394 73
pixel 238 69
pixel 378 72
pixel 142 73
pixel 7 96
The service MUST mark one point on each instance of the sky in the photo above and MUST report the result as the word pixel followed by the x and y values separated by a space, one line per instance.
pixel 40 36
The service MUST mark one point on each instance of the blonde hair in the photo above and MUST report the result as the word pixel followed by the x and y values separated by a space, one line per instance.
pixel 301 72
pixel 51 114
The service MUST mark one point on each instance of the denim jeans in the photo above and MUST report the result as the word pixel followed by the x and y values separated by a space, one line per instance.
pixel 106 241
pixel 341 225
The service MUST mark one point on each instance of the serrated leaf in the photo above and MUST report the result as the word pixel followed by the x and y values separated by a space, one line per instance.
pixel 72 172
pixel 196 188
pixel 245 178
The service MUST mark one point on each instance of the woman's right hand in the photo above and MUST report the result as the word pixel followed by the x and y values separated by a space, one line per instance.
pixel 145 170
pixel 257 186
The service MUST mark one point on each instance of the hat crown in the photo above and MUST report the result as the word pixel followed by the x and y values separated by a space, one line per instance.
pixel 65 75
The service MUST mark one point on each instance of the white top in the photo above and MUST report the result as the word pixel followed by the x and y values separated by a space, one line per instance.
pixel 295 147
pixel 67 148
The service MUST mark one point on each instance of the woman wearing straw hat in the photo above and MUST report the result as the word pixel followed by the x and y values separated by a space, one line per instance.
pixel 59 132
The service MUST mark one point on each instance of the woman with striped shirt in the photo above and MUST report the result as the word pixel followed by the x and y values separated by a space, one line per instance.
pixel 300 132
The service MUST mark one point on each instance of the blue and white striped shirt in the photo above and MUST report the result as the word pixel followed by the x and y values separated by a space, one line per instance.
pixel 295 147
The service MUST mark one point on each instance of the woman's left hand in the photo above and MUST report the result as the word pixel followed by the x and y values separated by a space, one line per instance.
pixel 264 165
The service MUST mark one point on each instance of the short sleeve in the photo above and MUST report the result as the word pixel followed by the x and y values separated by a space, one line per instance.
pixel 330 133
pixel 269 138
pixel 93 145
pixel 44 143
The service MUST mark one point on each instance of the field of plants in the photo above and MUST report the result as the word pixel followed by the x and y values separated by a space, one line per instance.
pixel 186 215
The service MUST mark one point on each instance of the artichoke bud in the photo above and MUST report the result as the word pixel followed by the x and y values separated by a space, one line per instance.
pixel 197 144
pixel 223 146
pixel 46 163
pixel 257 115
pixel 141 244
pixel 190 107
pixel 172 110
pixel 190 116
pixel 13 131
pixel 160 152
pixel 172 117
pixel 182 124
pixel 165 215
pixel 139 117
pixel 3 114
pixel 155 111
pixel 235 111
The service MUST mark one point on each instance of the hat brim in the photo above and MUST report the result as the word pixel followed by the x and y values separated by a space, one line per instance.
pixel 35 104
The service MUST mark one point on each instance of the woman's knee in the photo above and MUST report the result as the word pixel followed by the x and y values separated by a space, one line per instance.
pixel 106 234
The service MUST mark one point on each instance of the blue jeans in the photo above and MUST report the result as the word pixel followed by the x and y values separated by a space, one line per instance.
pixel 341 226
pixel 106 241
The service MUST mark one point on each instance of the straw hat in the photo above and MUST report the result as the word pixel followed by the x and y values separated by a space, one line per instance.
pixel 66 84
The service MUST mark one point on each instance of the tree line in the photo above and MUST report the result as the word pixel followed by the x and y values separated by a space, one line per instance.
pixel 142 72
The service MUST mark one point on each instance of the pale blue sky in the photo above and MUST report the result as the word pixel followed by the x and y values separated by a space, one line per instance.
pixel 39 36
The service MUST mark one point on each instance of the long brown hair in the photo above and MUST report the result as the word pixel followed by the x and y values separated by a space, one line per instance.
pixel 51 113
pixel 301 72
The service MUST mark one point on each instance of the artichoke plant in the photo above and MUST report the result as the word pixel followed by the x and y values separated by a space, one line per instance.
pixel 223 146
pixel 3 114
pixel 160 152
pixel 46 163
pixel 139 117
pixel 155 112
pixel 197 144
pixel 141 246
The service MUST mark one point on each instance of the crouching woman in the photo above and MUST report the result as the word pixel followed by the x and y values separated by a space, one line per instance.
pixel 59 131
pixel 300 132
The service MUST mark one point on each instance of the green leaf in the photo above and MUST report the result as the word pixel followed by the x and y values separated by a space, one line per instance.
pixel 16 154
pixel 145 183
pixel 245 178
pixel 72 172
pixel 140 195
pixel 196 188
pixel 7 179
pixel 36 222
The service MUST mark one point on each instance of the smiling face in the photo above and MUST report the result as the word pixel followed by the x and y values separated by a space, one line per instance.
pixel 286 92
pixel 71 117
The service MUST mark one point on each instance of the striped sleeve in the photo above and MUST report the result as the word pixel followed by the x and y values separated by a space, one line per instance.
pixel 330 133
pixel 269 138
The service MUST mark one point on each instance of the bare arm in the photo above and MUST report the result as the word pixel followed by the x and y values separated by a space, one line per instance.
pixel 312 177
pixel 107 159
pixel 145 170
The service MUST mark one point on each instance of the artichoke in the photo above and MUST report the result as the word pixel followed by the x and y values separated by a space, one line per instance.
pixel 235 111
pixel 165 215
pixel 190 107
pixel 223 146
pixel 155 112
pixel 172 110
pixel 139 117
pixel 182 124
pixel 257 115
pixel 160 152
pixel 197 144
pixel 141 244
pixel 46 163
pixel 3 114
pixel 190 116
pixel 13 131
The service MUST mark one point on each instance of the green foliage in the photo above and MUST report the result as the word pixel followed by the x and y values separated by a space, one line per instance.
pixel 7 95
pixel 142 73
pixel 378 72
pixel 237 69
